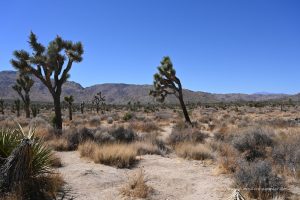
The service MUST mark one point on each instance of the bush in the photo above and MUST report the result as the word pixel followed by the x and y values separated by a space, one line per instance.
pixel 128 116
pixel 118 155
pixel 192 151
pixel 286 155
pixel 123 135
pixel 186 135
pixel 76 136
pixel 252 143
pixel 110 120
pixel 137 186
pixel 259 180
pixel 102 136
pixel 95 121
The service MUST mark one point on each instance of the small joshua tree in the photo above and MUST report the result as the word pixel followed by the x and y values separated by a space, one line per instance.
pixel 82 107
pixel 2 106
pixel 98 100
pixel 166 83
pixel 17 106
pixel 69 100
pixel 35 110
pixel 24 83
pixel 48 65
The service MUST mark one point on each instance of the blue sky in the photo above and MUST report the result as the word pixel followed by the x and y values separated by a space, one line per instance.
pixel 220 46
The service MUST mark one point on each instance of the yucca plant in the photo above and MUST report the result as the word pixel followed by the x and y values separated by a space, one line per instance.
pixel 41 154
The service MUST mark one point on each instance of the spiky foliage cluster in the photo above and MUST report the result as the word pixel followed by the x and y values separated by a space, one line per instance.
pixel 69 100
pixel 2 106
pixel 98 101
pixel 17 106
pixel 41 155
pixel 53 62
pixel 22 87
pixel 167 83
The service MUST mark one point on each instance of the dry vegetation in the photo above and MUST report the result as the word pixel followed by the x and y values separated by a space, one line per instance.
pixel 258 147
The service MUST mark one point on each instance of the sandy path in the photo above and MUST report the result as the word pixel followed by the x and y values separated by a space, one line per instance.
pixel 171 178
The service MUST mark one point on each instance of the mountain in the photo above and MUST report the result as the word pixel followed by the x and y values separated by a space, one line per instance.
pixel 119 93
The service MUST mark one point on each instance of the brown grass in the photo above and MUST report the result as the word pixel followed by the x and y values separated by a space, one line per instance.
pixel 59 144
pixel 118 155
pixel 193 151
pixel 144 126
pixel 137 186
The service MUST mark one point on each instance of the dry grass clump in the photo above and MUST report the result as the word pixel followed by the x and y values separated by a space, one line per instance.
pixel 147 147
pixel 137 186
pixel 227 158
pixel 144 126
pixel 189 134
pixel 59 144
pixel 94 121
pixel 118 155
pixel 193 151
pixel 55 161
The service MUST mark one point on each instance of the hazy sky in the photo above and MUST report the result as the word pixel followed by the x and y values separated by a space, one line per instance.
pixel 217 46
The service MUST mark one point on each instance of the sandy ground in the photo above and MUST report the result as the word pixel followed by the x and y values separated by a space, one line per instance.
pixel 170 178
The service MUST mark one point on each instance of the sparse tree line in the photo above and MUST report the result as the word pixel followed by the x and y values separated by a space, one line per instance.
pixel 52 65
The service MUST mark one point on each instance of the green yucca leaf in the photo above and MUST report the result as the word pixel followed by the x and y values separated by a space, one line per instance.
pixel 42 155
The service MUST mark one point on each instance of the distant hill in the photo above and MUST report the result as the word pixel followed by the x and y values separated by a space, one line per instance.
pixel 119 93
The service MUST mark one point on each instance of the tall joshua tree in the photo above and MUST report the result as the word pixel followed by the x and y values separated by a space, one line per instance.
pixel 166 83
pixel 24 83
pixel 51 65
pixel 98 100
pixel 69 100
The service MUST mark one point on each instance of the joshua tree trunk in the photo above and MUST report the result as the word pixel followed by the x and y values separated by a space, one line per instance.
pixel 183 107
pixel 27 105
pixel 70 112
pixel 57 110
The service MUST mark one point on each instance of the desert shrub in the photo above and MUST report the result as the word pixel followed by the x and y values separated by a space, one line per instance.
pixel 137 186
pixel 193 151
pixel 144 126
pixel 286 155
pixel 60 144
pixel 123 135
pixel 148 147
pixel 103 136
pixel 186 135
pixel 259 180
pixel 75 136
pixel 227 158
pixel 94 121
pixel 118 155
pixel 37 122
pixel 253 143
pixel 55 161
pixel 110 120
pixel 128 116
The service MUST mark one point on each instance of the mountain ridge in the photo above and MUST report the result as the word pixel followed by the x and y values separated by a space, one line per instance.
pixel 122 93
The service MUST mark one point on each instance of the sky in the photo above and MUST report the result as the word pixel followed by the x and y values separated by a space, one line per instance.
pixel 218 46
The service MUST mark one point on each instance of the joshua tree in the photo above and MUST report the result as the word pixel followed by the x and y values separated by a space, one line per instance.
pixel 82 107
pixel 17 106
pixel 2 106
pixel 69 100
pixel 24 83
pixel 166 83
pixel 98 100
pixel 47 64
pixel 35 110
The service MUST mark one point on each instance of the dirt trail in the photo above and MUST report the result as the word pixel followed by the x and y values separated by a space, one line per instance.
pixel 171 178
